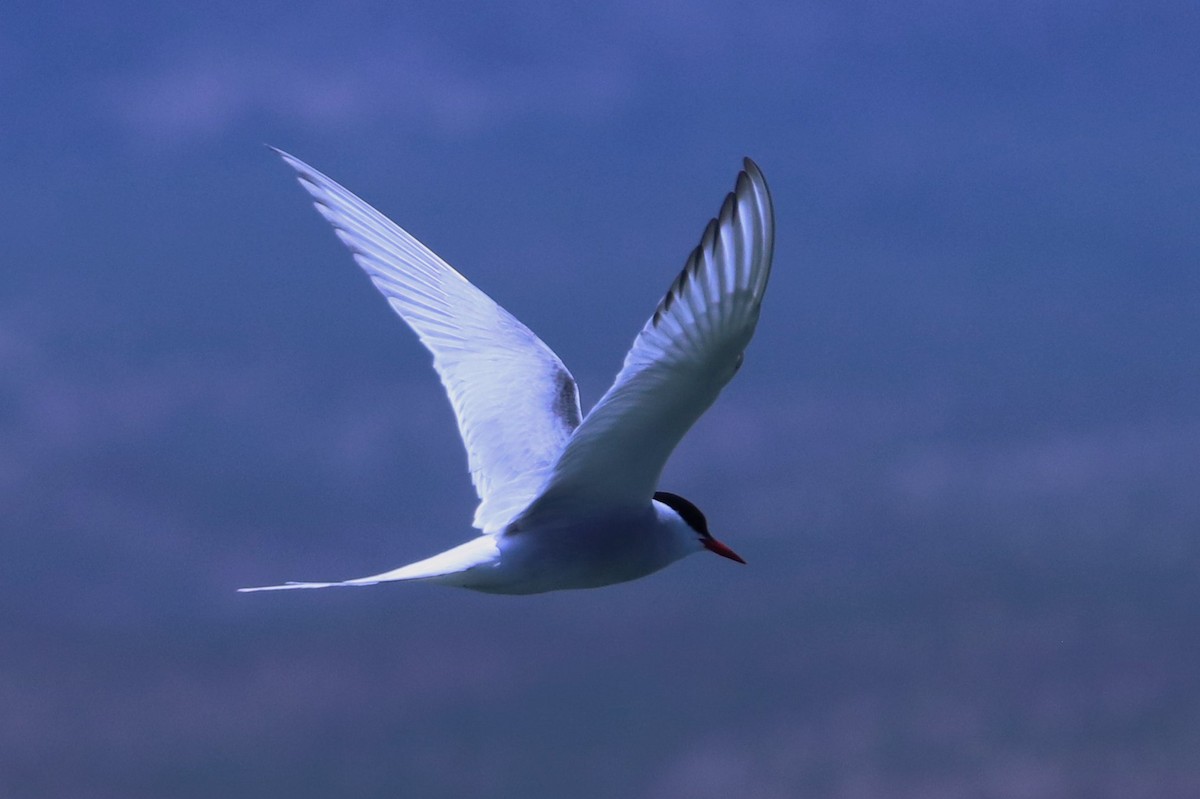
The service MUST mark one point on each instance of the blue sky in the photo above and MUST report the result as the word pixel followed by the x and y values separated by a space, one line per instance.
pixel 960 459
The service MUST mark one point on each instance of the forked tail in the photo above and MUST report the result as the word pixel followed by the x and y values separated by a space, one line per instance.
pixel 479 551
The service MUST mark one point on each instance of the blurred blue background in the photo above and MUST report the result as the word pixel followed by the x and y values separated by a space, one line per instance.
pixel 961 460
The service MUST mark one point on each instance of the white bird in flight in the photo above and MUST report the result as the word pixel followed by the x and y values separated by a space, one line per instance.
pixel 567 501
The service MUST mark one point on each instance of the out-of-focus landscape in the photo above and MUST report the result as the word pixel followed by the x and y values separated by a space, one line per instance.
pixel 961 459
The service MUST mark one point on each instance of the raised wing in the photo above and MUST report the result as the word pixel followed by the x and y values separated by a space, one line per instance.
pixel 679 363
pixel 516 403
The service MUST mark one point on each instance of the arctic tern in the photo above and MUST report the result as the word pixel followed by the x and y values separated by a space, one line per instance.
pixel 565 500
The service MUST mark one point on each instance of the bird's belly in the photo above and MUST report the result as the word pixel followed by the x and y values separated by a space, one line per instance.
pixel 585 556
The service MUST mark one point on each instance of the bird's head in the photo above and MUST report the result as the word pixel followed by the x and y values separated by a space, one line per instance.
pixel 697 525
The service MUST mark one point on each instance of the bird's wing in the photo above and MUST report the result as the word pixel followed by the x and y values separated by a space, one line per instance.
pixel 516 403
pixel 679 363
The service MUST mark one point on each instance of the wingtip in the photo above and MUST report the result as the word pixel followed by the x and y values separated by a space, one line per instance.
pixel 289 159
pixel 751 168
pixel 755 178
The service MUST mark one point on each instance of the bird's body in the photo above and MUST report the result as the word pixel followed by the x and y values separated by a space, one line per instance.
pixel 585 553
pixel 567 501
